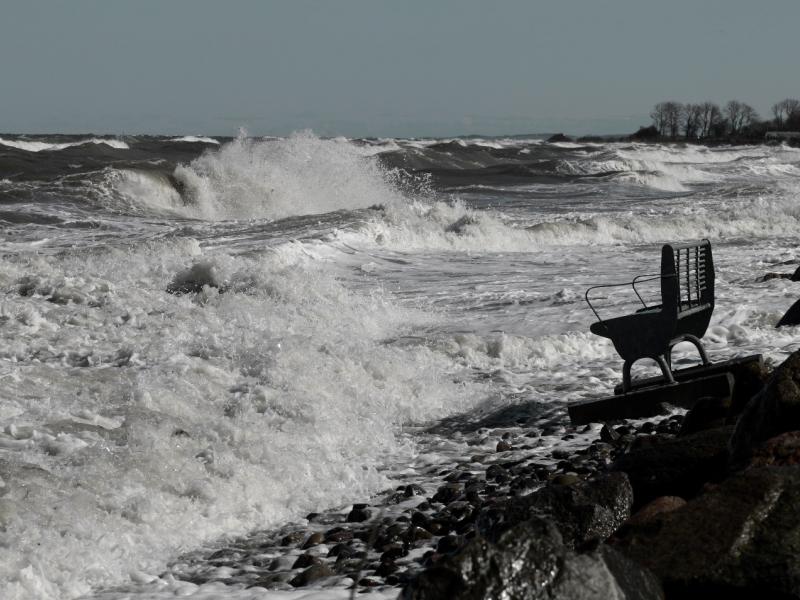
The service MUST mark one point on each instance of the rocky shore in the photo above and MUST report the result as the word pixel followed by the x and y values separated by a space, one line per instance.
pixel 679 506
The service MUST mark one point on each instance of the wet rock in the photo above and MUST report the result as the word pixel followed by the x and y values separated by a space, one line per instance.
pixel 775 410
pixel 359 514
pixel 659 506
pixel 609 435
pixel 791 317
pixel 315 539
pixel 709 412
pixel 448 493
pixel 417 534
pixel 413 490
pixel 588 511
pixel 496 472
pixel 386 568
pixel 312 574
pixel 293 538
pixel 338 534
pixel 566 479
pixel 530 561
pixel 503 446
pixel 306 560
pixel 781 451
pixel 449 543
pixel 739 540
pixel 675 466
pixel 393 552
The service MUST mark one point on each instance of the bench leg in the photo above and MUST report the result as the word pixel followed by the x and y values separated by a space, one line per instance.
pixel 696 343
pixel 626 372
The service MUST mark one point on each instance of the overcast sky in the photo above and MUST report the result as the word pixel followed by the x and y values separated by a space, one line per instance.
pixel 379 68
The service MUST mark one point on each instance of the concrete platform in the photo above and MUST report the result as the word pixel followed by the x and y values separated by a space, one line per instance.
pixel 646 401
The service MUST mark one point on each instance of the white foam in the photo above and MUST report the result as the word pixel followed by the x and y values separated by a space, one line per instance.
pixel 195 139
pixel 37 146
pixel 299 175
pixel 138 423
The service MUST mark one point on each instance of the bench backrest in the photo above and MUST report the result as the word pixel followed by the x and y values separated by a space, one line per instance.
pixel 687 276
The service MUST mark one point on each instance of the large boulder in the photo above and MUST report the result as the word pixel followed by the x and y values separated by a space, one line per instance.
pixel 774 410
pixel 675 466
pixel 531 562
pixel 739 540
pixel 584 512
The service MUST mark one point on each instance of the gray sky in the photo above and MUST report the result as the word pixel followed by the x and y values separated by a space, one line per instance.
pixel 379 68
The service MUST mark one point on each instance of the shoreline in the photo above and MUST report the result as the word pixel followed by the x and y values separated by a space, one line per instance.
pixel 624 507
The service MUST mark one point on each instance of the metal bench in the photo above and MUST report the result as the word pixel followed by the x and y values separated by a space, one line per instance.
pixel 687 301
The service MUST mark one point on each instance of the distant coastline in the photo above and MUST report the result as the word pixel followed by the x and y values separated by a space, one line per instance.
pixel 708 124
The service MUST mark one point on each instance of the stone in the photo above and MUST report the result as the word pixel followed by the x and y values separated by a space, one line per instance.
pixel 709 412
pixel 295 537
pixel 775 410
pixel 358 515
pixel 609 435
pixel 661 505
pixel 585 512
pixel 780 451
pixel 448 493
pixel 530 561
pixel 306 560
pixel 315 539
pixel 675 466
pixel 791 317
pixel 338 534
pixel 312 574
pixel 503 446
pixel 740 539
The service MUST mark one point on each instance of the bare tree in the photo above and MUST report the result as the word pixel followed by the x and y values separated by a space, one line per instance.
pixel 785 111
pixel 692 119
pixel 739 115
pixel 658 114
pixel 710 116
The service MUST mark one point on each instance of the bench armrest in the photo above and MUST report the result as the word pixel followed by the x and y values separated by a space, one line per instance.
pixel 632 283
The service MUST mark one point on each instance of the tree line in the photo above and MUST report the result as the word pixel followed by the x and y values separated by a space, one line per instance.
pixel 708 120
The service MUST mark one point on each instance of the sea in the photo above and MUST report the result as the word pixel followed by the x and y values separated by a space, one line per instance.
pixel 201 337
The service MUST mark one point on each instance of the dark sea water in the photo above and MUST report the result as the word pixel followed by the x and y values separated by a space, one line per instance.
pixel 341 294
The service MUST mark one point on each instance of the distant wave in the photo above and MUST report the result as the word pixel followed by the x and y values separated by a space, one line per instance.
pixel 195 139
pixel 42 146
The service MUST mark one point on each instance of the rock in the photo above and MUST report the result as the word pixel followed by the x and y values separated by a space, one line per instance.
pixel 449 543
pixel 588 511
pixel 772 275
pixel 781 451
pixel 306 560
pixel 311 574
pixel 292 538
pixel 503 446
pixel 359 514
pixel 775 410
pixel 338 534
pixel 675 466
pixel 796 275
pixel 530 561
pixel 448 493
pixel 709 412
pixel 608 435
pixel 315 539
pixel 566 479
pixel 739 540
pixel 791 317
pixel 661 505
